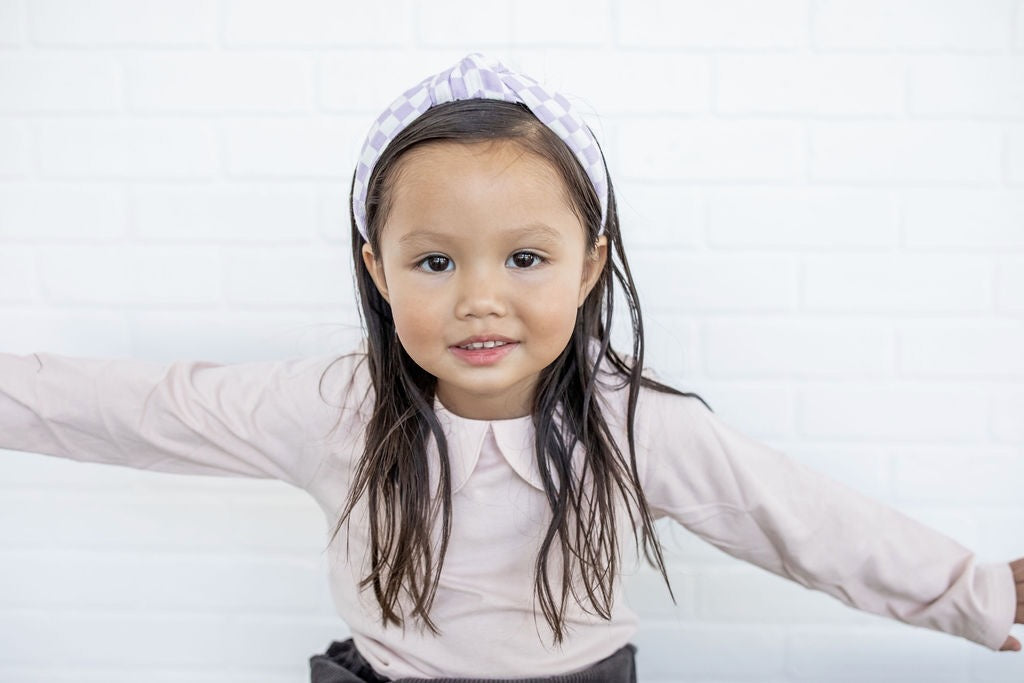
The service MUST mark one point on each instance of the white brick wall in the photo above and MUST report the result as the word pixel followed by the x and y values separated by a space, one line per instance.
pixel 824 206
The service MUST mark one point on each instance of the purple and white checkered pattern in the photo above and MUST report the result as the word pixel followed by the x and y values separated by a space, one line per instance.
pixel 479 77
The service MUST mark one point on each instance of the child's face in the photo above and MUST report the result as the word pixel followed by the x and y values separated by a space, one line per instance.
pixel 470 275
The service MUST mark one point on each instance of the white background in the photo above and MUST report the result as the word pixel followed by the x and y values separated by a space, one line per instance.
pixel 822 201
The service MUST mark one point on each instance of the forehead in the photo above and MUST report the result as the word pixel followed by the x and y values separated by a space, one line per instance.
pixel 494 189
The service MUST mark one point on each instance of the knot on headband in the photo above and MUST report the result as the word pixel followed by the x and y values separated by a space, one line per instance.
pixel 479 77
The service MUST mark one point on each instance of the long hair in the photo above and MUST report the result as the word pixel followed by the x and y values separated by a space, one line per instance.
pixel 392 472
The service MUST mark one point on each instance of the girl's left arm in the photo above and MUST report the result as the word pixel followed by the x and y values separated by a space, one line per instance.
pixel 755 503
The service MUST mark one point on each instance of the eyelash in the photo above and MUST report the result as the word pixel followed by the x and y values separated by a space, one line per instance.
pixel 538 261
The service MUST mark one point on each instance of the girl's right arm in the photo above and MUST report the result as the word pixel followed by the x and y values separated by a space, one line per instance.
pixel 262 419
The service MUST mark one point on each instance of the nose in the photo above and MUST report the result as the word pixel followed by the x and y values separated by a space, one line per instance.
pixel 481 291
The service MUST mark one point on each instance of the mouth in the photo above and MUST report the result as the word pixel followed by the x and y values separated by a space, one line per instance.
pixel 483 342
pixel 486 352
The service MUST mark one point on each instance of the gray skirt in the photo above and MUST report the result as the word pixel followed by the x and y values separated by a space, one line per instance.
pixel 342 663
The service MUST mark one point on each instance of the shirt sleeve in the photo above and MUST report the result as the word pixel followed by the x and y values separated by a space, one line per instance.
pixel 263 419
pixel 758 505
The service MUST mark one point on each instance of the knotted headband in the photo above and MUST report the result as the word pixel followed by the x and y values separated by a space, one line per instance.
pixel 479 77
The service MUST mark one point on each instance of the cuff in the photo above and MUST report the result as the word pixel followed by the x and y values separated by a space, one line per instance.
pixel 1002 593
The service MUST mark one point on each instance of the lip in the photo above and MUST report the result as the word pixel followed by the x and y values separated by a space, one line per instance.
pixel 483 338
pixel 484 356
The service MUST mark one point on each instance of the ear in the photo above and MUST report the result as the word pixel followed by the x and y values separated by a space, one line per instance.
pixel 376 269
pixel 593 266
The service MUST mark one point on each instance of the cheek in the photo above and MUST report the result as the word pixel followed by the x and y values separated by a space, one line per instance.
pixel 416 315
pixel 553 311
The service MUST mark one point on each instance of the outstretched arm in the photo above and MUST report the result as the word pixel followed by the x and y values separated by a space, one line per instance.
pixel 758 505
pixel 263 419
pixel 1017 567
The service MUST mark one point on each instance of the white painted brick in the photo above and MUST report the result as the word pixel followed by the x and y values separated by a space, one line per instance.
pixel 993 666
pixel 1015 155
pixel 748 594
pixel 968 349
pixel 669 344
pixel 763 410
pixel 659 215
pixel 897 283
pixel 127 148
pixel 12 22
pixel 880 653
pixel 1007 409
pixel 17 274
pixel 245 214
pixel 678 149
pixel 912 24
pixel 59 82
pixel 298 277
pixel 215 335
pixel 129 274
pixel 572 22
pixel 686 652
pixel 644 82
pixel 15 149
pixel 183 641
pixel 57 210
pixel 293 148
pixel 1010 284
pixel 198 522
pixel 318 22
pixel 334 220
pixel 284 585
pixel 975 476
pixel 691 23
pixel 345 84
pixel 959 218
pixel 997 533
pixel 819 85
pixel 333 329
pixel 123 22
pixel 966 85
pixel 713 282
pixel 1019 28
pixel 925 151
pixel 860 411
pixel 743 349
pixel 153 675
pixel 465 22
pixel 808 217
pixel 205 82
pixel 68 331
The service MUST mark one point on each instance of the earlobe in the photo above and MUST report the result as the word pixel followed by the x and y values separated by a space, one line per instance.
pixel 376 270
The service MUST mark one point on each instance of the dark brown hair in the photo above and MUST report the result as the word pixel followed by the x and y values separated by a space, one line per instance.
pixel 392 472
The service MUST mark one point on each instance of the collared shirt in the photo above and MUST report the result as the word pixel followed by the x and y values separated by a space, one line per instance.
pixel 273 419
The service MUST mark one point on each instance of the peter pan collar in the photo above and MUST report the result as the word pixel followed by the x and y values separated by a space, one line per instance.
pixel 514 437
pixel 465 439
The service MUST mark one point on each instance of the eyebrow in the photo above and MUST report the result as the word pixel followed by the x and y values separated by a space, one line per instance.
pixel 541 231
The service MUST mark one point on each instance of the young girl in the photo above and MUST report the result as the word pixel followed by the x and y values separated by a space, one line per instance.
pixel 485 457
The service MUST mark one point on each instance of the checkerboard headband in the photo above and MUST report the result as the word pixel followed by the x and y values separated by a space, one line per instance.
pixel 479 77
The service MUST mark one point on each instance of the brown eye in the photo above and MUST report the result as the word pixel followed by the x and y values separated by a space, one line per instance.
pixel 435 263
pixel 526 259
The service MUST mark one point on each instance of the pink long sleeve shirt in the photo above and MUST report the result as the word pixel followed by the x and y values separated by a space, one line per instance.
pixel 274 420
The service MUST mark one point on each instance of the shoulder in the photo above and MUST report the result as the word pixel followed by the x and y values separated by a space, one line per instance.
pixel 661 413
pixel 343 384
